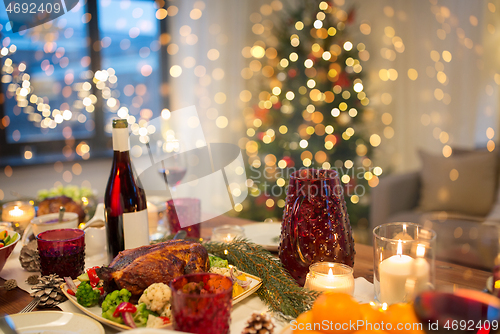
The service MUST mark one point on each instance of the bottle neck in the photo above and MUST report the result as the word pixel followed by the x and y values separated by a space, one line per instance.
pixel 121 141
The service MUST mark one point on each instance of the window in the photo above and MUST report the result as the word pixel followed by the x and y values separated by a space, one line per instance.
pixel 63 81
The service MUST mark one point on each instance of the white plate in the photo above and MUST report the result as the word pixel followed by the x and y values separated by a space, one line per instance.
pixel 264 234
pixel 51 322
pixel 96 311
pixel 489 284
pixel 150 331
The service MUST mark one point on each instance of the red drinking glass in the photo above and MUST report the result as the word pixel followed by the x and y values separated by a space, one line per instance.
pixel 202 303
pixel 315 225
pixel 62 252
pixel 187 210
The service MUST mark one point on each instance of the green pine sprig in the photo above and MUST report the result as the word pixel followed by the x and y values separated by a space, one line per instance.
pixel 279 290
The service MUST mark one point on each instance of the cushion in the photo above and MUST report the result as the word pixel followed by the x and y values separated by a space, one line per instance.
pixel 464 183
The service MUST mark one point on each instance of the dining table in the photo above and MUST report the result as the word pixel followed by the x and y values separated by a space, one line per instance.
pixel 449 276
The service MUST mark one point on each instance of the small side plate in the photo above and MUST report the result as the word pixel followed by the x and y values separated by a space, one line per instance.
pixel 264 234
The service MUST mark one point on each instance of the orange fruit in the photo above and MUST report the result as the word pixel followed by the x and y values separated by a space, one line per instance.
pixel 402 315
pixel 336 312
pixel 304 324
pixel 371 314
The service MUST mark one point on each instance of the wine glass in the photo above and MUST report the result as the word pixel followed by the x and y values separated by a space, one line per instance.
pixel 174 166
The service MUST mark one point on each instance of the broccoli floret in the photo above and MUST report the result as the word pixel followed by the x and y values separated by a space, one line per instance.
pixel 111 301
pixel 217 262
pixel 142 314
pixel 86 296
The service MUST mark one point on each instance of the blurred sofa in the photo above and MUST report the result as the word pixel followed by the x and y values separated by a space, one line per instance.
pixel 465 215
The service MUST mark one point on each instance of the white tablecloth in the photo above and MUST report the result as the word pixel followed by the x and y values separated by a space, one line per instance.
pixel 363 292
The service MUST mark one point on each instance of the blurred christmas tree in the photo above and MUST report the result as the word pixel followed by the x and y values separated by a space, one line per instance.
pixel 311 107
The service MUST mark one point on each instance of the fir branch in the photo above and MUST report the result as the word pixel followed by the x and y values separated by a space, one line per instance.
pixel 279 290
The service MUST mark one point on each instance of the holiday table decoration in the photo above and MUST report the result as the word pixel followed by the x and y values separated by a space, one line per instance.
pixel 315 224
pixel 331 277
pixel 279 290
pixel 259 323
pixel 49 291
pixel 404 255
pixel 18 213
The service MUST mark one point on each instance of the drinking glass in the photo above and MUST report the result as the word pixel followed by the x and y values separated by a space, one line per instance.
pixel 315 224
pixel 404 255
pixel 187 211
pixel 460 311
pixel 174 167
pixel 62 252
pixel 208 312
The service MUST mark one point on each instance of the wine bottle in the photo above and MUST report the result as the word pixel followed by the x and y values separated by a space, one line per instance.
pixel 125 199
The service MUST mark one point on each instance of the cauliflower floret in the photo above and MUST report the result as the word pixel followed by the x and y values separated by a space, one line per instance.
pixel 154 322
pixel 157 299
pixel 220 271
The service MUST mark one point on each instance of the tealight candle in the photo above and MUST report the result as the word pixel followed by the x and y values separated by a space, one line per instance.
pixel 226 233
pixel 330 277
pixel 19 213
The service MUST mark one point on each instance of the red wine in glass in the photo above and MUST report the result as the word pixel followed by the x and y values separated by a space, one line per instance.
pixel 464 311
pixel 174 174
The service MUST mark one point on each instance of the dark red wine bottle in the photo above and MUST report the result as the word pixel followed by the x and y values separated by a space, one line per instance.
pixel 125 199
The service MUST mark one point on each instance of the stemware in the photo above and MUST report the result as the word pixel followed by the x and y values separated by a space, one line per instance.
pixel 315 224
pixel 174 167
pixel 461 311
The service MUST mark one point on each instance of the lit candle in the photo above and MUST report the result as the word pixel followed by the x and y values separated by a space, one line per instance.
pixel 227 233
pixel 16 212
pixel 330 277
pixel 19 213
pixel 394 272
pixel 421 270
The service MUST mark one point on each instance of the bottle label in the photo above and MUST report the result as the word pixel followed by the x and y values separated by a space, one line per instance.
pixel 121 140
pixel 136 229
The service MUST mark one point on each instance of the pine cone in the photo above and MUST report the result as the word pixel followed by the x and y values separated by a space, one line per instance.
pixel 10 284
pixel 32 280
pixel 29 258
pixel 259 323
pixel 49 291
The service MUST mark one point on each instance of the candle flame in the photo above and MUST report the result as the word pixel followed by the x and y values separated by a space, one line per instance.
pixel 16 212
pixel 404 228
pixel 400 248
pixel 420 250
pixel 330 274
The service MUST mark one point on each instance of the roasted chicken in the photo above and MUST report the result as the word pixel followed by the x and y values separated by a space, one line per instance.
pixel 136 269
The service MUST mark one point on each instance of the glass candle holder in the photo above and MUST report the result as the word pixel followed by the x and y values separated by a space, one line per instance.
pixel 226 233
pixel 18 213
pixel 330 277
pixel 202 303
pixel 62 252
pixel 404 256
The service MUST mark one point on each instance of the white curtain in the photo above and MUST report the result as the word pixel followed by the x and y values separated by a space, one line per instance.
pixel 211 67
pixel 430 76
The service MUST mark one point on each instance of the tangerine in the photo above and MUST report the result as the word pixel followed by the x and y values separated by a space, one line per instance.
pixel 304 324
pixel 371 314
pixel 400 318
pixel 336 312
pixel 373 331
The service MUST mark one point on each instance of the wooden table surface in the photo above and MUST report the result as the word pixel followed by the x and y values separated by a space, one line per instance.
pixel 448 276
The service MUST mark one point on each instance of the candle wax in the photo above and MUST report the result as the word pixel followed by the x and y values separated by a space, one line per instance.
pixel 395 271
